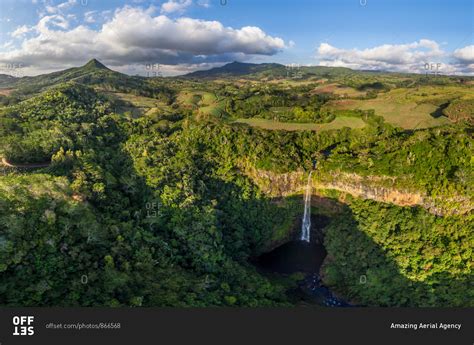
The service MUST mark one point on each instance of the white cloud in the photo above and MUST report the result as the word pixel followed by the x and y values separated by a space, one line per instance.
pixel 465 55
pixel 464 59
pixel 52 21
pixel 410 57
pixel 21 30
pixel 175 6
pixel 66 5
pixel 135 36
pixel 7 45
pixel 51 9
pixel 204 3
pixel 61 9
pixel 89 17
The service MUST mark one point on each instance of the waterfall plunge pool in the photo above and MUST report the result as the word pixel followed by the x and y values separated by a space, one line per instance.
pixel 299 256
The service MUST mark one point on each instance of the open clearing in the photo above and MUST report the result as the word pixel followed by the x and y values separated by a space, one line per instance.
pixel 206 103
pixel 339 90
pixel 6 92
pixel 139 105
pixel 408 108
pixel 338 123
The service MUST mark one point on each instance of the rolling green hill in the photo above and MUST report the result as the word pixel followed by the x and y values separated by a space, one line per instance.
pixel 165 191
pixel 236 69
pixel 267 70
pixel 92 73
pixel 6 80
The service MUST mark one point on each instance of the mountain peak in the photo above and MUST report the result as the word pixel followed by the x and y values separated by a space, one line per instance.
pixel 94 63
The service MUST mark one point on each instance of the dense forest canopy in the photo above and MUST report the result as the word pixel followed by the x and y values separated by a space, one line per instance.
pixel 153 207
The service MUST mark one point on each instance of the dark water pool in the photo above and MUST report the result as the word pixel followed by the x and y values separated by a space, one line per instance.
pixel 307 258
pixel 294 256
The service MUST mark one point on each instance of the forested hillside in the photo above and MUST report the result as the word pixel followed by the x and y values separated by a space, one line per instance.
pixel 155 207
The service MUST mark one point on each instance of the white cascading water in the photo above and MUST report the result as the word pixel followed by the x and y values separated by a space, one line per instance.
pixel 306 224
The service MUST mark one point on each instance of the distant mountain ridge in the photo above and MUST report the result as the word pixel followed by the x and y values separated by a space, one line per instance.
pixel 240 69
pixel 93 72
pixel 6 79
pixel 234 69
pixel 91 67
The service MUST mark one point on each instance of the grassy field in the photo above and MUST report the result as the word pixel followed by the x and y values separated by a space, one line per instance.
pixel 195 98
pixel 409 108
pixel 338 123
pixel 206 103
pixel 462 108
pixel 139 105
pixel 339 90
pixel 6 92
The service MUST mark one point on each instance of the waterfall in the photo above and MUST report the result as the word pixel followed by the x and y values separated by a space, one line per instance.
pixel 306 224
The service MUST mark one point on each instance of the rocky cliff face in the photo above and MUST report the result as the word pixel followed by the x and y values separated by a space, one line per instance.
pixel 385 189
pixel 277 185
pixel 378 188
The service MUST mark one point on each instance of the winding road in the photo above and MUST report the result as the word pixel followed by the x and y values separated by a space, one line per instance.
pixel 24 166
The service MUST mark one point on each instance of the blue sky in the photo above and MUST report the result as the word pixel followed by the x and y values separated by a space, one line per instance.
pixel 39 36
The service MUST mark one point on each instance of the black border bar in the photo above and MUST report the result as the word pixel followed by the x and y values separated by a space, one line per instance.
pixel 240 326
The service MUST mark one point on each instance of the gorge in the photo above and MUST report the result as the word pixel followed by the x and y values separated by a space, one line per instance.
pixel 305 254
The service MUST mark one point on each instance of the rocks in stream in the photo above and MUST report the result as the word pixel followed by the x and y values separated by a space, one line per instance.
pixel 313 287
